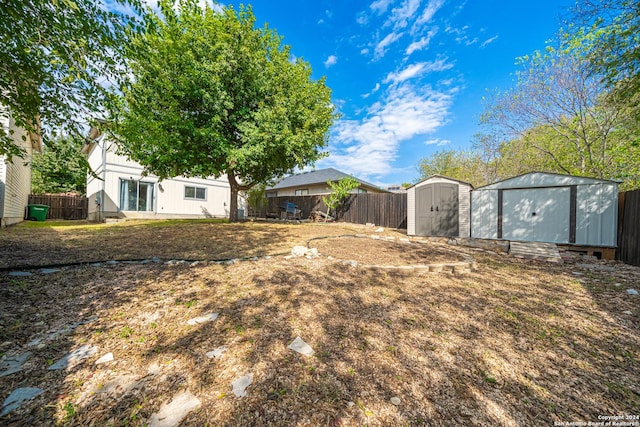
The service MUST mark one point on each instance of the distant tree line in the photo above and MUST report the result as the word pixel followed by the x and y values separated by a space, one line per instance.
pixel 573 110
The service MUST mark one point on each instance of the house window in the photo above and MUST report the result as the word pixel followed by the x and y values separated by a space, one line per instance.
pixel 136 195
pixel 272 194
pixel 303 192
pixel 195 193
pixel 362 191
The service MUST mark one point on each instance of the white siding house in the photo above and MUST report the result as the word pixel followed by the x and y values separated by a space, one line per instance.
pixel 547 207
pixel 120 190
pixel 439 206
pixel 15 175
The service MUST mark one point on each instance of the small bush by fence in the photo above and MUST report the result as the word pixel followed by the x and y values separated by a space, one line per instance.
pixel 383 209
pixel 62 206
pixel 629 227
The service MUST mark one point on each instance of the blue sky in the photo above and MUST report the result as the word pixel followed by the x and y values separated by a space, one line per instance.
pixel 408 76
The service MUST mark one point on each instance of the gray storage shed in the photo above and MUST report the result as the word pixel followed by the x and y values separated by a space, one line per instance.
pixel 547 207
pixel 439 206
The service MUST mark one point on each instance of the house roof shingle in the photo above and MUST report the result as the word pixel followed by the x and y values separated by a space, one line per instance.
pixel 314 177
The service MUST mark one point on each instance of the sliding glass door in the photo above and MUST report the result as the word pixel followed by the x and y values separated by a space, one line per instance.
pixel 136 195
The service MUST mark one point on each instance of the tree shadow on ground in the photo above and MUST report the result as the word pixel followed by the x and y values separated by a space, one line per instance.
pixel 138 240
pixel 510 344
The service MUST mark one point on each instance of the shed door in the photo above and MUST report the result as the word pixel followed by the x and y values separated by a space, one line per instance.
pixel 537 214
pixel 437 210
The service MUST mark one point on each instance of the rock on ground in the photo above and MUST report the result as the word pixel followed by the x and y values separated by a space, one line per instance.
pixel 11 365
pixel 301 347
pixel 171 414
pixel 240 385
pixel 75 357
pixel 104 359
pixel 217 352
pixel 18 397
pixel 203 319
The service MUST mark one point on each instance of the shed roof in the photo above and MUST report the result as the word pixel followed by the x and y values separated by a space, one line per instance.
pixel 320 176
pixel 543 179
pixel 443 177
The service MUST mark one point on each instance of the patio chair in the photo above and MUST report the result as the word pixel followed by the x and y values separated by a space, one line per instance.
pixel 292 211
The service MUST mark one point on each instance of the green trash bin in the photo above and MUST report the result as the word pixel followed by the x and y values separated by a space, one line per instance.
pixel 37 212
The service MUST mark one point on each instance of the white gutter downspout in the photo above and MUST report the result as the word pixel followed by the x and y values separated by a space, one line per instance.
pixel 104 178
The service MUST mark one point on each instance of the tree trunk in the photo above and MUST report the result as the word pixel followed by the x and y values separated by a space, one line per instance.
pixel 233 205
pixel 235 188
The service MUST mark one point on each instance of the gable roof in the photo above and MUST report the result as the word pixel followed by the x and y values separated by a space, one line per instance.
pixel 543 179
pixel 320 176
pixel 443 177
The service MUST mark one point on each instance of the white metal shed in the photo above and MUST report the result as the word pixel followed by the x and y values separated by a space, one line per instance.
pixel 439 206
pixel 547 207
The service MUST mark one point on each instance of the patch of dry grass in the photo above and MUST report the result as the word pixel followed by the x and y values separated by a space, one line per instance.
pixel 24 245
pixel 513 343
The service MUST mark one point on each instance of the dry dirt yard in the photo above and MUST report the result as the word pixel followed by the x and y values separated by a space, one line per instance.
pixel 511 343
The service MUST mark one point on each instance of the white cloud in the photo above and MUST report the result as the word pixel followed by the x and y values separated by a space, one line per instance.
pixel 374 90
pixel 488 41
pixel 427 14
pixel 422 43
pixel 331 60
pixel 468 41
pixel 367 147
pixel 437 141
pixel 417 69
pixel 328 13
pixel 409 72
pixel 439 65
pixel 364 51
pixel 400 15
pixel 380 6
pixel 462 35
pixel 381 47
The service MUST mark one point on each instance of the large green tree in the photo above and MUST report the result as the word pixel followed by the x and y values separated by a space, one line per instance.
pixel 560 109
pixel 60 168
pixel 613 27
pixel 213 95
pixel 465 166
pixel 56 60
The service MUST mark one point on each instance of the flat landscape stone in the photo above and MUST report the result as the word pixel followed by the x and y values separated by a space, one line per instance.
pixel 11 365
pixel 74 357
pixel 171 414
pixel 18 397
pixel 218 352
pixel 203 319
pixel 105 359
pixel 298 345
pixel 240 385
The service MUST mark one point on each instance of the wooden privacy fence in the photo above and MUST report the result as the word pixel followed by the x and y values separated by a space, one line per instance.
pixel 383 209
pixel 629 227
pixel 62 206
